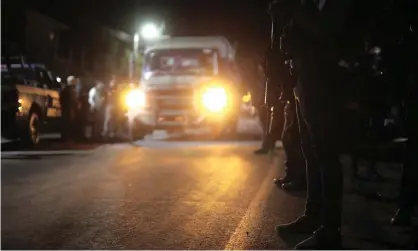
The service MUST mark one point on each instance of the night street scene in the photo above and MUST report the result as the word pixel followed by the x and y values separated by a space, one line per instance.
pixel 209 125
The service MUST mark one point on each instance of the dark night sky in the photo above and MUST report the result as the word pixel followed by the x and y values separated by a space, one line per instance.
pixel 244 21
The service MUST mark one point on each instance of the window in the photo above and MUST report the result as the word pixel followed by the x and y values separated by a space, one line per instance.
pixel 184 61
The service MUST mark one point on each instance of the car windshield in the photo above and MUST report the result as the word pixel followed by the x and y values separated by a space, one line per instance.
pixel 181 61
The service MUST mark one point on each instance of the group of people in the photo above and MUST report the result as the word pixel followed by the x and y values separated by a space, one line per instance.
pixel 307 87
pixel 97 105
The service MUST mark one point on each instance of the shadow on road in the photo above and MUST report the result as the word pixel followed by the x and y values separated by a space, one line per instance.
pixel 207 137
pixel 33 157
pixel 48 145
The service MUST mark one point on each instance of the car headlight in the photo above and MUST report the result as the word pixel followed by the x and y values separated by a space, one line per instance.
pixel 215 99
pixel 135 99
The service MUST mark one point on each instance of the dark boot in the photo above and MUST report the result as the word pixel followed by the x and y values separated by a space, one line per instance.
pixel 262 150
pixel 322 239
pixel 294 186
pixel 303 224
pixel 280 181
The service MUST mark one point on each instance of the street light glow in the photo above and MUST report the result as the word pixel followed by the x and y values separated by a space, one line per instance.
pixel 150 31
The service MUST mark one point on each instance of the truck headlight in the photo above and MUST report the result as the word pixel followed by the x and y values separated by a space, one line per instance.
pixel 135 99
pixel 215 99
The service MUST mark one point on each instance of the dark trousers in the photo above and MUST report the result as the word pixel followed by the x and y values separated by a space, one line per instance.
pixel 276 123
pixel 80 127
pixel 295 168
pixel 68 123
pixel 265 118
pixel 363 128
pixel 317 111
pixel 98 122
pixel 263 114
pixel 273 122
pixel 408 196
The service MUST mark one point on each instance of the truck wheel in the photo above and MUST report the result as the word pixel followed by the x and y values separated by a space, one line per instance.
pixel 30 136
pixel 138 135
pixel 136 132
pixel 231 128
pixel 225 131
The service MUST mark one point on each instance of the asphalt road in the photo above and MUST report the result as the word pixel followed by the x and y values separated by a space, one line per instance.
pixel 161 195
pixel 158 195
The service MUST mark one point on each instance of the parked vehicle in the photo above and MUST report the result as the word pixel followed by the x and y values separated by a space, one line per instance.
pixel 29 100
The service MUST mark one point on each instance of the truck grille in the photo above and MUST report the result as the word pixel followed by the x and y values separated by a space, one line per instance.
pixel 173 92
pixel 174 103
pixel 172 99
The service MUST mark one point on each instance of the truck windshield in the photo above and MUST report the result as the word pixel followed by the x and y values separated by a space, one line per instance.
pixel 181 61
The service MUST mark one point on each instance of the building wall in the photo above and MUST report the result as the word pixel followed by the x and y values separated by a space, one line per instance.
pixel 42 40
pixel 13 23
pixel 86 49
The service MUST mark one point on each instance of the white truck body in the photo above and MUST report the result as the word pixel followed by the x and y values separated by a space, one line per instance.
pixel 170 93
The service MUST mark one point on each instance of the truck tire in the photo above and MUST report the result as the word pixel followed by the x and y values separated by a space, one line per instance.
pixel 226 131
pixel 31 131
pixel 136 132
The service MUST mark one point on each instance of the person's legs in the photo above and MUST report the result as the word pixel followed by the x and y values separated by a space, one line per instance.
pixel 277 123
pixel 310 220
pixel 295 167
pixel 318 121
pixel 265 119
pixel 408 196
pixel 321 111
pixel 98 123
pixel 108 123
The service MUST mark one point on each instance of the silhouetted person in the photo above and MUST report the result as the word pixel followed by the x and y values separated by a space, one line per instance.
pixel 97 107
pixel 69 103
pixel 295 170
pixel 83 110
pixel 408 196
pixel 110 120
pixel 320 28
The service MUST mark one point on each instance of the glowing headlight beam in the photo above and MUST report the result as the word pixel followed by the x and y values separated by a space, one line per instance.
pixel 215 99
pixel 135 99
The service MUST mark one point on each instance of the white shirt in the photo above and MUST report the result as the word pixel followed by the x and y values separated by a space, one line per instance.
pixel 92 94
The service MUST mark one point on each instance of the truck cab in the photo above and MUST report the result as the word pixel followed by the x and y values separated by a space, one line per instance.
pixel 190 82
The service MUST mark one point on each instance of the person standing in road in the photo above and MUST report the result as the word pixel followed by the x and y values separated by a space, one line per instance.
pixel 284 124
pixel 271 113
pixel 97 106
pixel 82 111
pixel 320 29
pixel 295 170
pixel 69 104
pixel 262 109
pixel 110 109
pixel 407 68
